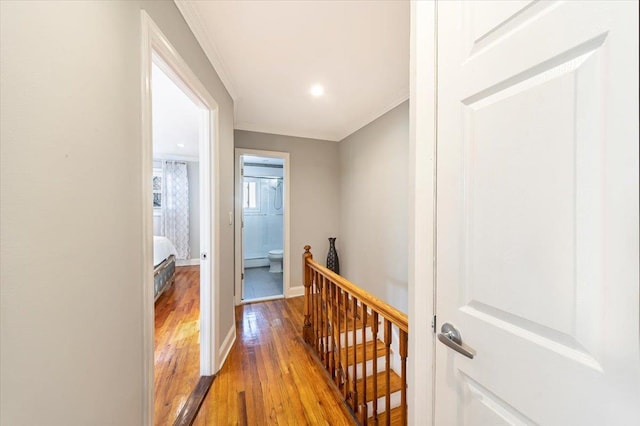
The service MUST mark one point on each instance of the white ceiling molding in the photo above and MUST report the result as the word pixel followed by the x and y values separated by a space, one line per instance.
pixel 375 114
pixel 268 54
pixel 263 128
pixel 194 20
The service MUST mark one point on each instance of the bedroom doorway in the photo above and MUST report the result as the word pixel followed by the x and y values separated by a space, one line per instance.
pixel 262 225
pixel 176 234
pixel 179 127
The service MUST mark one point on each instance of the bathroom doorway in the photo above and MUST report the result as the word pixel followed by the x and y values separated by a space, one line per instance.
pixel 262 231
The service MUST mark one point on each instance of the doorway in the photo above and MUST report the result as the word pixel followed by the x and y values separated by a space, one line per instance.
pixel 158 53
pixel 176 235
pixel 262 225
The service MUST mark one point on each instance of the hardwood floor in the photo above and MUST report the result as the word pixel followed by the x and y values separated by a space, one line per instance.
pixel 271 377
pixel 177 347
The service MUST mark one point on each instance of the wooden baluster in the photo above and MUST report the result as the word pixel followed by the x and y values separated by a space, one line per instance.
pixel 404 337
pixel 332 294
pixel 363 407
pixel 322 316
pixel 307 330
pixel 337 335
pixel 325 285
pixel 319 297
pixel 345 389
pixel 312 314
pixel 374 332
pixel 319 303
pixel 354 313
pixel 316 321
pixel 387 343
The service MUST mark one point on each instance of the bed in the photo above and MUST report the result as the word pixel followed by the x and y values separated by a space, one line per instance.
pixel 164 265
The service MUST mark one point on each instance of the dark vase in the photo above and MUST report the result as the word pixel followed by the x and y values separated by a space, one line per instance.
pixel 333 262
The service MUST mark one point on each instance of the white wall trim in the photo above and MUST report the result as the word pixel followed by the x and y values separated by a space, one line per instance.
pixel 295 291
pixel 284 131
pixel 188 262
pixel 286 261
pixel 422 217
pixel 209 47
pixel 148 323
pixel 374 115
pixel 156 48
pixel 226 346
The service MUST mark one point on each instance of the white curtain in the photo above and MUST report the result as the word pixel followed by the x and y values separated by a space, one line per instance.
pixel 175 206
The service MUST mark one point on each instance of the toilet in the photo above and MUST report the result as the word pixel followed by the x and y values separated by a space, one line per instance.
pixel 275 260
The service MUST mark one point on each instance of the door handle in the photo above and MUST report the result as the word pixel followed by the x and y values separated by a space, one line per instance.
pixel 451 337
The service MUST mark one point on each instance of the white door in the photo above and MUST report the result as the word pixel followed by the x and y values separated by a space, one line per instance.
pixel 537 213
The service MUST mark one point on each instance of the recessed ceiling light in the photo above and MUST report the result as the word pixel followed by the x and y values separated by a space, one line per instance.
pixel 317 90
pixel 180 145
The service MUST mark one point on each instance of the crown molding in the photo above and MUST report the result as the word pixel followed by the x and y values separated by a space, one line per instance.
pixel 374 115
pixel 282 131
pixel 195 22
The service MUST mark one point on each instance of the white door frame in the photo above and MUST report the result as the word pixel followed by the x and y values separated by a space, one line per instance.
pixel 422 217
pixel 154 43
pixel 286 265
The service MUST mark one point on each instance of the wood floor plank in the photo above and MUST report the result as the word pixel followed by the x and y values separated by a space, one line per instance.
pixel 279 378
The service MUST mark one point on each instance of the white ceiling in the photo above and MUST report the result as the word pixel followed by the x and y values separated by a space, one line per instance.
pixel 270 53
pixel 174 119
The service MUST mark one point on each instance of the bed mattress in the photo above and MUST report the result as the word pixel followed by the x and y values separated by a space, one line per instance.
pixel 162 249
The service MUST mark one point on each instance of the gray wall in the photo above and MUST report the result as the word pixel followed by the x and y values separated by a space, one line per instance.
pixel 315 186
pixel 71 299
pixel 373 206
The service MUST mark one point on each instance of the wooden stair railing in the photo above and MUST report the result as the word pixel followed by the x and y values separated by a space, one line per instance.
pixel 342 325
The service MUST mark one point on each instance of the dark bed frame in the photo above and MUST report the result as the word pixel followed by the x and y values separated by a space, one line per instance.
pixel 164 275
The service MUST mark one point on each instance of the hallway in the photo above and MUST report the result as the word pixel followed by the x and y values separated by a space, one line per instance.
pixel 271 377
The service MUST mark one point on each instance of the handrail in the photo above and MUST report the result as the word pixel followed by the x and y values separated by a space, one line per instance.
pixel 341 324
pixel 398 318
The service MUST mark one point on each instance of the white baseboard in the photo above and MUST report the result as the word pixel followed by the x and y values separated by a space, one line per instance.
pixel 296 291
pixel 187 262
pixel 226 346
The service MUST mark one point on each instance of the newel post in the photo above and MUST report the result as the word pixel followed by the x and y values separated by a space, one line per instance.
pixel 307 328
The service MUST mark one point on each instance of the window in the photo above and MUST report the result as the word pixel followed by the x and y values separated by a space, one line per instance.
pixel 157 189
pixel 250 198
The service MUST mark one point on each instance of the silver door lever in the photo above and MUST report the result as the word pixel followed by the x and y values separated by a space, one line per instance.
pixel 451 337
